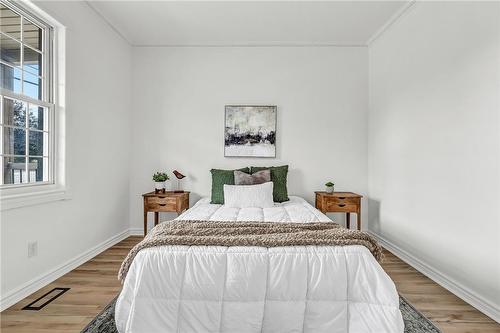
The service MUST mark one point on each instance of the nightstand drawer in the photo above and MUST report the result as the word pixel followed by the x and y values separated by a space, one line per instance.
pixel 341 207
pixel 162 207
pixel 162 204
pixel 162 200
pixel 343 200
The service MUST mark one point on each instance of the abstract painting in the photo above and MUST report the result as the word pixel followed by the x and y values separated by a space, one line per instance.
pixel 250 131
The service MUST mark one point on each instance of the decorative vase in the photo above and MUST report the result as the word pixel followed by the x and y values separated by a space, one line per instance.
pixel 159 187
pixel 329 189
pixel 179 187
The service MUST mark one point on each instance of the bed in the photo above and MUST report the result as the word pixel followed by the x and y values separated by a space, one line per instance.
pixel 178 288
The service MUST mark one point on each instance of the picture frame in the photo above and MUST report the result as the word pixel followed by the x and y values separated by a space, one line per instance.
pixel 250 130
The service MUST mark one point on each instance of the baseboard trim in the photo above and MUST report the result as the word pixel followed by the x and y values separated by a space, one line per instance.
pixel 443 280
pixel 41 281
pixel 136 231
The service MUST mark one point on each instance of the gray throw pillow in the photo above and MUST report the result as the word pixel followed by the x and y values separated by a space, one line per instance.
pixel 260 177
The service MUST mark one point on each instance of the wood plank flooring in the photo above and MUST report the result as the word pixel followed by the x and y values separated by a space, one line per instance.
pixel 447 311
pixel 94 284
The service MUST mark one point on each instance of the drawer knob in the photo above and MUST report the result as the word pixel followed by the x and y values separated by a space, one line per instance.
pixel 162 204
pixel 341 205
pixel 162 197
pixel 342 198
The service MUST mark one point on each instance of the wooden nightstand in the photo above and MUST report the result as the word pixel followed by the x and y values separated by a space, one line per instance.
pixel 164 202
pixel 340 202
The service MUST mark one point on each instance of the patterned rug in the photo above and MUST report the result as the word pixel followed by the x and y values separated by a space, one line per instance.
pixel 415 322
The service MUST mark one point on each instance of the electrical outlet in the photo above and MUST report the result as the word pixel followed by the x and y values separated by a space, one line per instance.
pixel 32 249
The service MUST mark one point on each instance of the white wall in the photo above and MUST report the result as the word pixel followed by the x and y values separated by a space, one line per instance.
pixel 97 147
pixel 178 114
pixel 434 141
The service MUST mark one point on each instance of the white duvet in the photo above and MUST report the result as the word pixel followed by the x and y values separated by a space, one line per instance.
pixel 254 289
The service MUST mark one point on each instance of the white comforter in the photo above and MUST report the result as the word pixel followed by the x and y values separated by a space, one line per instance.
pixel 254 289
pixel 294 210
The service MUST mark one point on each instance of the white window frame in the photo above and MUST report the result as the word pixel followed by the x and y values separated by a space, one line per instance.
pixel 27 194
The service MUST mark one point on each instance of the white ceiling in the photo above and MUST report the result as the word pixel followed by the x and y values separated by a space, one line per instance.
pixel 152 23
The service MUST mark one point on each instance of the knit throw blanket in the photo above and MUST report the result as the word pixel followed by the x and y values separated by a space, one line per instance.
pixel 264 234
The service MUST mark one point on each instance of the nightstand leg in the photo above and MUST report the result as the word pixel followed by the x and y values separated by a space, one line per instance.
pixel 145 222
pixel 156 218
pixel 358 221
pixel 348 220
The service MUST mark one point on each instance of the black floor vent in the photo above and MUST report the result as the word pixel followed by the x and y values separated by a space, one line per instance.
pixel 46 299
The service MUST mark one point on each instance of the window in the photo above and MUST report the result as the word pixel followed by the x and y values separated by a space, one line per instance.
pixel 26 99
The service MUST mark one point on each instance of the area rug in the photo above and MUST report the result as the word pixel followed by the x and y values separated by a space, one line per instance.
pixel 415 322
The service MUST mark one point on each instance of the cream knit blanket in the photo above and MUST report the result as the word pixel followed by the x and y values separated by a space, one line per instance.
pixel 264 234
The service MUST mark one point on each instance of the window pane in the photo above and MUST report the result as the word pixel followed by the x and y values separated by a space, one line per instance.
pixel 38 143
pixel 38 117
pixel 10 22
pixel 38 169
pixel 14 112
pixel 10 50
pixel 32 86
pixel 14 170
pixel 14 141
pixel 32 61
pixel 10 78
pixel 24 126
pixel 32 35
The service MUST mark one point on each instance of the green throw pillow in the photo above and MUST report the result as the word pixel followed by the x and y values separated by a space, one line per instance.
pixel 219 178
pixel 278 177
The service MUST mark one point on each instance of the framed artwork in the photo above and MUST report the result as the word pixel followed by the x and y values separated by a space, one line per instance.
pixel 250 131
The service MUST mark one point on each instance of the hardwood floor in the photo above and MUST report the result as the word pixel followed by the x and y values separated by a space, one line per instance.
pixel 447 311
pixel 94 284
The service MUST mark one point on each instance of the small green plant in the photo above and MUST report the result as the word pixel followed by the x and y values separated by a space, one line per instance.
pixel 160 177
pixel 329 184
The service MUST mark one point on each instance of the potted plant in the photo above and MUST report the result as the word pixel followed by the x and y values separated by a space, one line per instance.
pixel 160 178
pixel 329 187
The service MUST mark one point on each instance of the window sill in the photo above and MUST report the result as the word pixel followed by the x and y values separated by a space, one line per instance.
pixel 32 198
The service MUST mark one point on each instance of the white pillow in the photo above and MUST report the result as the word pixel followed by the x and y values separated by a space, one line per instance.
pixel 242 196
